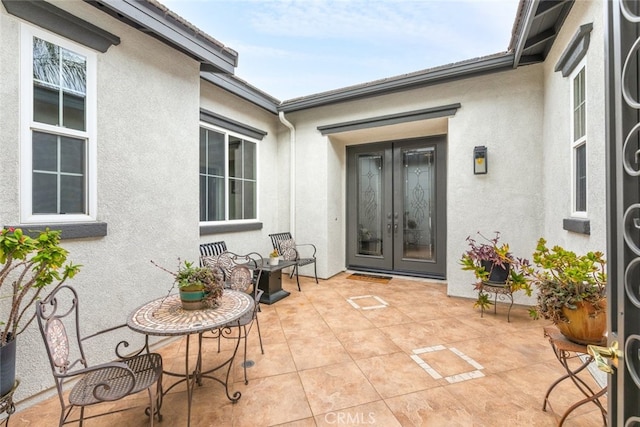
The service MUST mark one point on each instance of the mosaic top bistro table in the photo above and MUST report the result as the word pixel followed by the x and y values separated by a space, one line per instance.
pixel 166 317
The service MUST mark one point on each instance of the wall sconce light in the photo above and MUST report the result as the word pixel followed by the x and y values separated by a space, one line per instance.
pixel 480 160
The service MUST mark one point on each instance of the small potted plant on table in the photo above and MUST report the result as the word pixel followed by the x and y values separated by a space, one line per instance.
pixel 571 292
pixel 199 287
pixel 496 270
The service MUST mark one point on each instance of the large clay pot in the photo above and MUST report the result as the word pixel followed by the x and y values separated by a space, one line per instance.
pixel 587 324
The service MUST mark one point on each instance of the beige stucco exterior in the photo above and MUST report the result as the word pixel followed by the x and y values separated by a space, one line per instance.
pixel 149 99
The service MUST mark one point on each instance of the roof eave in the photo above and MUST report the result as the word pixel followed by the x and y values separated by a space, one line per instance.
pixel 428 77
pixel 243 90
pixel 148 17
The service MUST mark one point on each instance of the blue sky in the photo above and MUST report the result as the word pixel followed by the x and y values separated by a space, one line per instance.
pixel 293 48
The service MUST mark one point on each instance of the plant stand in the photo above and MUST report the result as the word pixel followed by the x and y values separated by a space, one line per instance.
pixel 7 405
pixel 500 291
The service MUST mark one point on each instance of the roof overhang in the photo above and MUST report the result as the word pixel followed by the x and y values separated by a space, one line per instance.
pixel 465 69
pixel 154 19
pixel 242 89
pixel 535 29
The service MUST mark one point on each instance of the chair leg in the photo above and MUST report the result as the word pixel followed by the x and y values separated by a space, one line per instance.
pixel 152 406
pixel 259 335
pixel 244 365
pixel 315 271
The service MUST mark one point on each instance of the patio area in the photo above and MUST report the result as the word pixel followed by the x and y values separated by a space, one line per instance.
pixel 351 352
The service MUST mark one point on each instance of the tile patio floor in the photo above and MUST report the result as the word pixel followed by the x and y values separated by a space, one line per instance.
pixel 347 352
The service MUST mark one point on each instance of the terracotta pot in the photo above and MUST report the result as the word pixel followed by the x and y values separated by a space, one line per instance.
pixel 587 324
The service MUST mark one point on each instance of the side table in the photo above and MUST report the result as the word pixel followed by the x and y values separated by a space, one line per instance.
pixel 565 351
pixel 271 281
pixel 7 405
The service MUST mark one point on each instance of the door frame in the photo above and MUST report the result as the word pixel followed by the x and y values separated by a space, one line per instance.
pixel 392 194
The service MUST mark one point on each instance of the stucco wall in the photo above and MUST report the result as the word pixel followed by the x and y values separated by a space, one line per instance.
pixel 556 164
pixel 147 138
pixel 493 113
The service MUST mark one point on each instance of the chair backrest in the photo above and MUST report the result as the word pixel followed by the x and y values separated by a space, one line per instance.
pixel 58 320
pixel 245 272
pixel 278 238
pixel 212 249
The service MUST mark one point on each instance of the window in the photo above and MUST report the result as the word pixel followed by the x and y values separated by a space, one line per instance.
pixel 58 129
pixel 579 145
pixel 228 177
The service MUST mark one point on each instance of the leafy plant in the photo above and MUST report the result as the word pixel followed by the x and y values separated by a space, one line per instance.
pixel 490 254
pixel 27 266
pixel 564 279
pixel 274 254
pixel 192 278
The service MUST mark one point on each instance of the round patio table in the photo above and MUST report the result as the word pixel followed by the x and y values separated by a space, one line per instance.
pixel 166 317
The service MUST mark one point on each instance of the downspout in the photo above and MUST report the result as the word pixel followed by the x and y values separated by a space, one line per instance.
pixel 292 172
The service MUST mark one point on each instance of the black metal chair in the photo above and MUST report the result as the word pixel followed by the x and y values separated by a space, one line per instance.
pixel 106 382
pixel 212 249
pixel 241 273
pixel 288 249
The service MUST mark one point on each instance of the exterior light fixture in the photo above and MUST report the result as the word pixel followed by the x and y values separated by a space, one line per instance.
pixel 480 160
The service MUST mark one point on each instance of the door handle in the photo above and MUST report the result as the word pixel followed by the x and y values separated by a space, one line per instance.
pixel 600 353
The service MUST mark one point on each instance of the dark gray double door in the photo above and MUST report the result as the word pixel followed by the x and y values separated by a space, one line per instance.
pixel 396 207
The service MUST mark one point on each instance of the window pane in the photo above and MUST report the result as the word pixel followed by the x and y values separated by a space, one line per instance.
pixel 74 72
pixel 45 105
pixel 45 193
pixel 235 199
pixel 203 156
pixel 249 160
pixel 46 62
pixel 581 178
pixel 249 200
pixel 45 152
pixel 72 194
pixel 235 157
pixel 216 153
pixel 73 111
pixel 216 199
pixel 72 155
pixel 579 108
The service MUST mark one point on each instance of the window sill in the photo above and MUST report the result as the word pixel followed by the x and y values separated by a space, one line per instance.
pixel 229 228
pixel 68 231
pixel 577 225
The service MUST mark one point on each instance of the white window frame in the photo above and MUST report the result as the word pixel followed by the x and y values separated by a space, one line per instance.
pixel 227 133
pixel 576 143
pixel 28 125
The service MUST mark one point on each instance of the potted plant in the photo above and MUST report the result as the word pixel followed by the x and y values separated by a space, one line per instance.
pixel 571 292
pixel 494 265
pixel 199 287
pixel 274 257
pixel 27 266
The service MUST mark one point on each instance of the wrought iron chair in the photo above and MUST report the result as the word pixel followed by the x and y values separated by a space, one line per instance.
pixel 58 314
pixel 212 249
pixel 241 273
pixel 288 249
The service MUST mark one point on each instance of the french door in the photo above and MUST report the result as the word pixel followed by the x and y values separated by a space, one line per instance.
pixel 396 217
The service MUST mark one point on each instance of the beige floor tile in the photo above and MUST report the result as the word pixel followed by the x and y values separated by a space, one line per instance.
pixel 365 343
pixel 312 351
pixel 395 374
pixel 335 387
pixel 370 414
